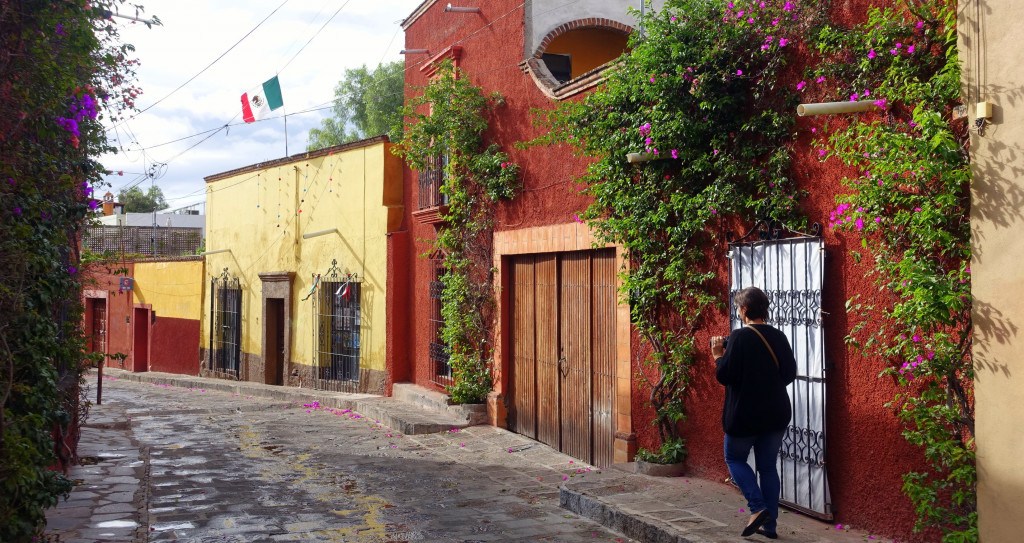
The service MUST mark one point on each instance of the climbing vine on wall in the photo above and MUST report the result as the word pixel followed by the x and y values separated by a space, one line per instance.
pixel 448 120
pixel 910 207
pixel 698 95
pixel 61 71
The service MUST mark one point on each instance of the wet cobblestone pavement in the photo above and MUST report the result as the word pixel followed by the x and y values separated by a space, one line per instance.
pixel 216 467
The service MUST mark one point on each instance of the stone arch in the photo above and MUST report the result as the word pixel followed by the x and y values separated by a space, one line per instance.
pixel 580 24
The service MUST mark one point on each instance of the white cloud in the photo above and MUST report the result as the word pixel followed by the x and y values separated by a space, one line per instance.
pixel 193 34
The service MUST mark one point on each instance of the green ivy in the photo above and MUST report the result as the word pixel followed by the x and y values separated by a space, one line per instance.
pixel 910 207
pixel 61 71
pixel 449 119
pixel 697 93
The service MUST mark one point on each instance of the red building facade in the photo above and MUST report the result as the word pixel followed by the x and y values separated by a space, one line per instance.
pixel 556 292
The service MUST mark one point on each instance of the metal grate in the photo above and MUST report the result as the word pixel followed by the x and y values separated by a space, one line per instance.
pixel 338 340
pixel 441 373
pixel 143 240
pixel 431 179
pixel 790 271
pixel 226 332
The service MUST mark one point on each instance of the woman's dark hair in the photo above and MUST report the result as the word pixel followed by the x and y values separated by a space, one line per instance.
pixel 754 301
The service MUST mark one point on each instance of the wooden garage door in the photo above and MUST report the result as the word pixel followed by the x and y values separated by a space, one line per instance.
pixel 563 351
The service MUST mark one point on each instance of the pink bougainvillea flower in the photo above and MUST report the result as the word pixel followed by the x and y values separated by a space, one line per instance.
pixel 788 6
pixel 917 209
pixel 739 72
pixel 814 130
pixel 783 42
pixel 854 97
pixel 576 218
pixel 765 47
pixel 822 153
pixel 800 86
pixel 910 49
pixel 820 79
pixel 672 18
pixel 714 211
pixel 715 152
pixel 740 13
pixel 750 20
pixel 878 220
pixel 919 25
pixel 882 103
pixel 652 79
pixel 916 338
pixel 675 153
pixel 894 51
pixel 866 93
pixel 775 21
pixel 859 224
pixel 872 54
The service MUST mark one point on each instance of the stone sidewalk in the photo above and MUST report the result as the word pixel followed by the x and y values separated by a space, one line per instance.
pixel 110 503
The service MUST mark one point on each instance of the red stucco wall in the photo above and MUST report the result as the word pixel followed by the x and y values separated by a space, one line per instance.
pixel 102 277
pixel 174 346
pixel 866 453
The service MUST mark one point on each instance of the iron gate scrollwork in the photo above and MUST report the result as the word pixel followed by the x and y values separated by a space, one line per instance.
pixel 338 330
pixel 790 270
pixel 226 329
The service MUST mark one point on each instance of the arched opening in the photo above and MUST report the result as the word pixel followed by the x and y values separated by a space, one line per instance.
pixel 579 51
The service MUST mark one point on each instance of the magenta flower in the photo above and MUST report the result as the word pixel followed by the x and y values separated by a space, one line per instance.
pixel 859 223
pixel 715 152
pixel 910 49
pixel 652 79
pixel 739 72
pixel 750 20
pixel 739 14
pixel 894 51
pixel 919 25
pixel 822 153
pixel 775 21
pixel 882 103
pixel 72 270
pixel 675 153
pixel 871 54
pixel 93 203
pixel 916 338
pixel 866 93
pixel 672 18
pixel 783 42
pixel 878 220
pixel 800 86
pixel 788 6
pixel 853 97
pixel 820 79
pixel 814 130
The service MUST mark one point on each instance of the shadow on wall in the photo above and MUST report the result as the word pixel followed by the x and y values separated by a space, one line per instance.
pixel 990 325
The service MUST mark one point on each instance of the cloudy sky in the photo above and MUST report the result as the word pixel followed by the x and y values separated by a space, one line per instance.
pixel 193 34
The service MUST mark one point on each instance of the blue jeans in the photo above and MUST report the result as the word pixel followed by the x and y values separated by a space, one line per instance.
pixel 766 451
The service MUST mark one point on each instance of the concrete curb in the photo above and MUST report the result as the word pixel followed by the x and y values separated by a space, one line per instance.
pixel 410 418
pixel 630 525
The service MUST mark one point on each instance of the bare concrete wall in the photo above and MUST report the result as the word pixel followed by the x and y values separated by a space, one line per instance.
pixel 990 53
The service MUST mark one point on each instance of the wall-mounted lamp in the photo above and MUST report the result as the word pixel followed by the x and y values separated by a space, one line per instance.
pixel 829 108
pixel 413 51
pixel 321 233
pixel 454 9
pixel 218 251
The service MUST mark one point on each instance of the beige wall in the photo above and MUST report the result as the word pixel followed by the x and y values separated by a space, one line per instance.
pixel 991 54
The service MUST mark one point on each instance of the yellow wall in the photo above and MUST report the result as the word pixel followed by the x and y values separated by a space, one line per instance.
pixel 589 48
pixel 174 289
pixel 261 216
pixel 990 55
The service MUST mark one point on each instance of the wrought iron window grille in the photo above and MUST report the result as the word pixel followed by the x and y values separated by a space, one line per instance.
pixel 225 354
pixel 338 330
pixel 431 179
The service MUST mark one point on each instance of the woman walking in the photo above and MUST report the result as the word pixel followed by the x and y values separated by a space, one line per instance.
pixel 755 365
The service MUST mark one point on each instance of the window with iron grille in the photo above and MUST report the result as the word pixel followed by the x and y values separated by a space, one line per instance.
pixel 226 325
pixel 431 178
pixel 338 331
pixel 442 370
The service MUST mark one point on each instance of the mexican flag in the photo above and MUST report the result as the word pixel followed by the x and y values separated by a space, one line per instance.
pixel 258 103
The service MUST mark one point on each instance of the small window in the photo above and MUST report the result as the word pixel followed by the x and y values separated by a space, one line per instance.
pixel 226 329
pixel 338 331
pixel 560 66
pixel 442 370
pixel 431 178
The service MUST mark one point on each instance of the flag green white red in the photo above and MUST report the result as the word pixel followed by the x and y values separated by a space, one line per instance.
pixel 258 103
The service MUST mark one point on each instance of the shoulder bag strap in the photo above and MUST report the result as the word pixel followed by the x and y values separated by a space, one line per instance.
pixel 766 344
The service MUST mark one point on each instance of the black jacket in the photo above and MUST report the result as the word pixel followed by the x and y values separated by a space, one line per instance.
pixel 756 400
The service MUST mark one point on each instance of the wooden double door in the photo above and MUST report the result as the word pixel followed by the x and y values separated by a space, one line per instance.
pixel 563 351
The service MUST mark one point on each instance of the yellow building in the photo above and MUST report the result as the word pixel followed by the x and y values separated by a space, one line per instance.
pixel 296 264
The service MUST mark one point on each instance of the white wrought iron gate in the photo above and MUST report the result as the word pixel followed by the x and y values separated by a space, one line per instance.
pixel 790 271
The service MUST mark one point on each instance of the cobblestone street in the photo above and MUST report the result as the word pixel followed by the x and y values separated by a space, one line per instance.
pixel 223 467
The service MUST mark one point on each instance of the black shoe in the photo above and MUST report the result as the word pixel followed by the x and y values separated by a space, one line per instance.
pixel 766 533
pixel 759 520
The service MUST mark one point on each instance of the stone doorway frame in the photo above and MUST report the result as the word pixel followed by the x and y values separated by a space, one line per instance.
pixel 277 285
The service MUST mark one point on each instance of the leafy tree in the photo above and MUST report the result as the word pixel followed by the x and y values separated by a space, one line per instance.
pixel 137 201
pixel 366 103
